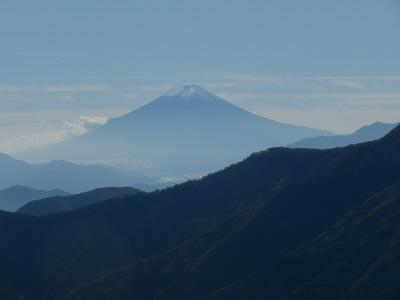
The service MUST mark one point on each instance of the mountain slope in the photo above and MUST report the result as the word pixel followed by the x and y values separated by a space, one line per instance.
pixel 16 196
pixel 364 134
pixel 248 255
pixel 359 256
pixel 66 176
pixel 187 130
pixel 226 236
pixel 57 204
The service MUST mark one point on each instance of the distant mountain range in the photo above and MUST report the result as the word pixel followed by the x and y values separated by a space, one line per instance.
pixel 64 203
pixel 364 134
pixel 187 130
pixel 66 176
pixel 282 224
pixel 16 196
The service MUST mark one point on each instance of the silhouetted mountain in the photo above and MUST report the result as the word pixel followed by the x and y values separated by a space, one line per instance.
pixel 64 175
pixel 364 134
pixel 57 204
pixel 282 224
pixel 16 196
pixel 358 258
pixel 187 130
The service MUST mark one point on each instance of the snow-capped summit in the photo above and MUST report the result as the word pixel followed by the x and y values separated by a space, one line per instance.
pixel 188 91
pixel 186 130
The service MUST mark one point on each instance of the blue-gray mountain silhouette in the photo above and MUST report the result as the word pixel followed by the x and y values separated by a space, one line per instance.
pixel 66 176
pixel 364 134
pixel 187 129
pixel 16 196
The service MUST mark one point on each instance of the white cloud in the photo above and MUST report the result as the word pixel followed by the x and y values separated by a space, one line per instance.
pixel 221 84
pixel 353 81
pixel 23 54
pixel 20 89
pixel 337 121
pixel 56 116
pixel 81 126
pixel 349 83
pixel 60 88
pixel 241 97
pixel 320 100
pixel 240 77
pixel 64 98
pixel 76 88
pixel 43 132
pixel 14 97
pixel 348 78
pixel 344 100
pixel 156 87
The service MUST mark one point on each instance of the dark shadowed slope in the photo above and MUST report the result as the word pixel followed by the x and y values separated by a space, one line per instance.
pixel 57 204
pixel 358 258
pixel 226 236
pixel 364 134
pixel 187 130
pixel 16 196
pixel 63 175
pixel 253 253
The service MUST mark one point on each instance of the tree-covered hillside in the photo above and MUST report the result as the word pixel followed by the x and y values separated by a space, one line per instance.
pixel 57 204
pixel 282 224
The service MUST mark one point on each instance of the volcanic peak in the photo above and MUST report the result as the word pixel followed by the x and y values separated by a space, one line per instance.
pixel 188 91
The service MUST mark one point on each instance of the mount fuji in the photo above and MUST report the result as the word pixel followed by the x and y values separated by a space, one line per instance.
pixel 187 130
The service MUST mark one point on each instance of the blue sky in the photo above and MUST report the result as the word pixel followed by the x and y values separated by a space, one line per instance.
pixel 68 65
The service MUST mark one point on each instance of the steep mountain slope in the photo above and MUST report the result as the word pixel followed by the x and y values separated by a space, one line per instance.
pixel 356 259
pixel 226 236
pixel 187 130
pixel 364 134
pixel 248 256
pixel 57 204
pixel 64 175
pixel 16 196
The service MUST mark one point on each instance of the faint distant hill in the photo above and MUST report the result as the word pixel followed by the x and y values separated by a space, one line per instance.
pixel 364 134
pixel 64 203
pixel 16 196
pixel 66 176
pixel 186 130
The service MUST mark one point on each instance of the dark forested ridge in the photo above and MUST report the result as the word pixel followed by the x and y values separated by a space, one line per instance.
pixel 57 204
pixel 282 224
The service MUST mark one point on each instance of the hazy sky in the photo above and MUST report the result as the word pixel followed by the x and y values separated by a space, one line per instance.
pixel 68 65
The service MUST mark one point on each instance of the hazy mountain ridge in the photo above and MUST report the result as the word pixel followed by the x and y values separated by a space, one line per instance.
pixel 63 175
pixel 58 204
pixel 226 236
pixel 16 196
pixel 187 130
pixel 364 134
